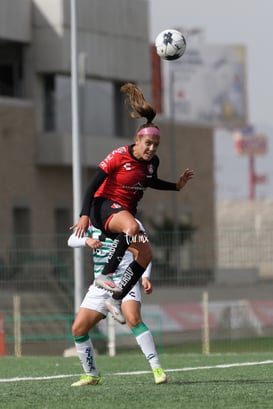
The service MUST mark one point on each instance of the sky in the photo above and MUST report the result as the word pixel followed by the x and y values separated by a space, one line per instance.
pixel 247 22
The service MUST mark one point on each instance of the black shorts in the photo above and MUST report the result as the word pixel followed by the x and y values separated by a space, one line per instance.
pixel 101 213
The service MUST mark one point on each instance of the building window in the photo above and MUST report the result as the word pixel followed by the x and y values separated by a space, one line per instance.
pixel 62 223
pixel 124 125
pixel 98 105
pixel 22 228
pixel 7 80
pixel 49 103
pixel 11 73
pixel 101 107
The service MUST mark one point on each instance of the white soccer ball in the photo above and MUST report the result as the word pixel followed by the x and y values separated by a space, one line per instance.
pixel 170 44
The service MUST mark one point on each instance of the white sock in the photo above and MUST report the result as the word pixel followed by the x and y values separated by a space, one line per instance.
pixel 85 350
pixel 145 340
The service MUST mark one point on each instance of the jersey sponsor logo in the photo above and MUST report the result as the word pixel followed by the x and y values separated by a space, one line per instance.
pixel 127 275
pixel 136 187
pixel 127 166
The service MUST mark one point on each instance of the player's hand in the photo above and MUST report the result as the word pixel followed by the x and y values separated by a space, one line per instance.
pixel 184 178
pixel 147 285
pixel 81 226
pixel 93 243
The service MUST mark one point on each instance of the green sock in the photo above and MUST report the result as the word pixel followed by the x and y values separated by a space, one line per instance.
pixel 82 338
pixel 139 329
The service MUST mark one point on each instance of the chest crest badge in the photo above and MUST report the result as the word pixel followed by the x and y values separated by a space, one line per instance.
pixel 150 169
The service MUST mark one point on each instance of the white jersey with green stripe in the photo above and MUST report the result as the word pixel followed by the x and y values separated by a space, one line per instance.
pixel 100 255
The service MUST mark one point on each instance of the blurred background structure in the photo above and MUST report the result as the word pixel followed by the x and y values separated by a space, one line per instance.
pixel 199 243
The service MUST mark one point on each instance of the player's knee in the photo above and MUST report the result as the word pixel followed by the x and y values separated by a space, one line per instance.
pixel 132 228
pixel 76 330
pixel 132 321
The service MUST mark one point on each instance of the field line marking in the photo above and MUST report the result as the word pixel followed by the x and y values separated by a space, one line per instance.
pixel 201 367
pixel 194 368
pixel 37 378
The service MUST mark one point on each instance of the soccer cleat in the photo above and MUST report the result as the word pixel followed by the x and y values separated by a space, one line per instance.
pixel 107 283
pixel 160 376
pixel 88 380
pixel 114 307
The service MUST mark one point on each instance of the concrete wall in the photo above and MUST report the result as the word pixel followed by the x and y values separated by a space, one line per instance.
pixel 22 183
pixel 245 237
pixel 107 32
pixel 15 20
pixel 195 203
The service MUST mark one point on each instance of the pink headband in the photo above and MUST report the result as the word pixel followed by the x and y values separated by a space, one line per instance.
pixel 149 130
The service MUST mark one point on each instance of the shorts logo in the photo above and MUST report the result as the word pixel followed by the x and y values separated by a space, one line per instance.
pixel 132 294
pixel 115 206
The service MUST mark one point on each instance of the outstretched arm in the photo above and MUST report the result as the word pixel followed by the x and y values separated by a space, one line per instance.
pixel 160 184
pixel 184 178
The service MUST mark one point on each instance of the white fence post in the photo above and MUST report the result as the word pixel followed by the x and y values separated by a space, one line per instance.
pixel 111 332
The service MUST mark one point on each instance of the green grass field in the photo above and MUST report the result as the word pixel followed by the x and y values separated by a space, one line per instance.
pixel 195 381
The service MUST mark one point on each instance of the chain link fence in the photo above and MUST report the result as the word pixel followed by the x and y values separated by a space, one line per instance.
pixel 39 269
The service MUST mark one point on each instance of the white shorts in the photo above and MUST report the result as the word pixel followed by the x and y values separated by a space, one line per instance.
pixel 95 298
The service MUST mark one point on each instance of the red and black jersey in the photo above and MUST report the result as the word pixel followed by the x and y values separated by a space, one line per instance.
pixel 127 177
pixel 122 178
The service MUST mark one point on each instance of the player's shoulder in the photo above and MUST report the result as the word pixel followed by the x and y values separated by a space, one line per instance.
pixel 120 155
pixel 122 150
pixel 114 157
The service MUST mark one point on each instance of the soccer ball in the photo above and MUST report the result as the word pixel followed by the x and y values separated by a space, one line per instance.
pixel 170 44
